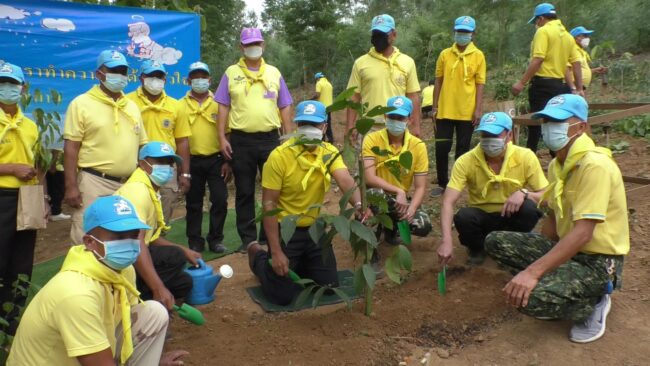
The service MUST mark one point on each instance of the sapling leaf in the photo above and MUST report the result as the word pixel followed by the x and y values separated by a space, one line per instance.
pixel 379 152
pixel 365 233
pixel 304 294
pixel 342 225
pixel 385 221
pixel 343 202
pixel 379 110
pixel 344 95
pixel 317 229
pixel 337 106
pixel 405 258
pixel 358 281
pixel 317 296
pixel 369 275
pixel 406 160
pixel 288 227
pixel 392 269
pixel 264 214
pixel 341 294
pixel 305 281
pixel 364 125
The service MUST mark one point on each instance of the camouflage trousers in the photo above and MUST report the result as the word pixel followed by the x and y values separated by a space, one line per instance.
pixel 421 224
pixel 570 291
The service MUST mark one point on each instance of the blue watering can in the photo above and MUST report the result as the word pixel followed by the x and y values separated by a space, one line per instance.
pixel 205 281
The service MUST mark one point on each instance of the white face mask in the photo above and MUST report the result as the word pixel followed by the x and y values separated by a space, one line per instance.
pixel 585 42
pixel 492 146
pixel 154 86
pixel 253 52
pixel 310 133
pixel 200 85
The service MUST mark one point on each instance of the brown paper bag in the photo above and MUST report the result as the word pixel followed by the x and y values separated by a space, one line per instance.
pixel 31 208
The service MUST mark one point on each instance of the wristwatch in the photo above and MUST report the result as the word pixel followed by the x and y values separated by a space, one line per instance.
pixel 186 175
pixel 525 192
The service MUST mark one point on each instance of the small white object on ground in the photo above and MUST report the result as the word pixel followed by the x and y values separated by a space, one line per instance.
pixel 226 271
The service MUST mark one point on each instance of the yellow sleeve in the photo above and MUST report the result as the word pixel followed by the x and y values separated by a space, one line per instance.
pixel 535 179
pixel 412 82
pixel 143 133
pixel 482 70
pixel 182 127
pixel 355 78
pixel 540 44
pixel 575 55
pixel 420 159
pixel 79 322
pixel 273 171
pixel 459 172
pixel 592 199
pixel 73 126
pixel 440 66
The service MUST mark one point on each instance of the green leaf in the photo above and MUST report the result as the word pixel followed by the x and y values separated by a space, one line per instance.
pixel 405 258
pixel 7 307
pixel 358 281
pixel 337 106
pixel 342 225
pixel 264 214
pixel 343 296
pixel 317 229
pixel 288 227
pixel 302 297
pixel 380 152
pixel 348 153
pixel 392 269
pixel 379 110
pixel 406 159
pixel 317 296
pixel 305 281
pixel 345 95
pixel 385 221
pixel 369 275
pixel 364 125
pixel 365 233
pixel 343 202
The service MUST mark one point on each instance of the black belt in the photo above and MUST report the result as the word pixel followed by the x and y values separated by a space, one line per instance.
pixel 8 192
pixel 272 133
pixel 217 155
pixel 547 78
pixel 103 175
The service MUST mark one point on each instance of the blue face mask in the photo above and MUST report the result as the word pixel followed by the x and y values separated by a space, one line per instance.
pixel 115 82
pixel 462 39
pixel 10 93
pixel 119 254
pixel 395 127
pixel 160 174
pixel 555 135
pixel 200 85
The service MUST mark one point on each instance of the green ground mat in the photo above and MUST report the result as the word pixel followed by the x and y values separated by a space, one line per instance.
pixel 345 284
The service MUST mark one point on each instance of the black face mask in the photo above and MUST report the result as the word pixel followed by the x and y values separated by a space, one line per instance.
pixel 379 40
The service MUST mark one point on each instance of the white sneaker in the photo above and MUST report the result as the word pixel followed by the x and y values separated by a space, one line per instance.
pixel 593 327
pixel 60 217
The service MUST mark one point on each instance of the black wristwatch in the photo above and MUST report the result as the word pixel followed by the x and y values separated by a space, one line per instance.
pixel 525 192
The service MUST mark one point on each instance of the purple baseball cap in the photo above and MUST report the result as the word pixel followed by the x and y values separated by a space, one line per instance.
pixel 250 35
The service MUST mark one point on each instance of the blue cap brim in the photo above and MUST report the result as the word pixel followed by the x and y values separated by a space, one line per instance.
pixel 312 119
pixel 553 113
pixel 176 158
pixel 152 70
pixel 199 69
pixel 399 112
pixel 586 32
pixel 532 19
pixel 464 27
pixel 125 225
pixel 12 76
pixel 381 28
pixel 115 63
pixel 492 129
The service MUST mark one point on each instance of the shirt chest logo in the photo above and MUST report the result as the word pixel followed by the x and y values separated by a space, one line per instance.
pixel 166 123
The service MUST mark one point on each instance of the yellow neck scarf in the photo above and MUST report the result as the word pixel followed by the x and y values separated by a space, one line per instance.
pixel 405 147
pixel 391 61
pixel 159 106
pixel 460 57
pixel 311 166
pixel 82 261
pixel 9 124
pixel 582 145
pixel 140 176
pixel 200 109
pixel 495 178
pixel 251 76
pixel 118 106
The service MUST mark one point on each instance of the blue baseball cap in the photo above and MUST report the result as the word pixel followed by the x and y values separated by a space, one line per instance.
pixel 157 149
pixel 113 213
pixel 110 59
pixel 319 75
pixel 198 65
pixel 403 106
pixel 542 9
pixel 465 23
pixel 383 23
pixel 494 123
pixel 310 111
pixel 12 71
pixel 564 106
pixel 149 66
pixel 577 31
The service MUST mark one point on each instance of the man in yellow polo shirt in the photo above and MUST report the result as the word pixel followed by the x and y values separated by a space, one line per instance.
pixel 324 95
pixel 427 99
pixel 160 118
pixel 291 184
pixel 571 269
pixel 381 153
pixel 207 164
pixel 18 136
pixel 88 313
pixel 160 266
pixel 255 103
pixel 382 73
pixel 102 133
pixel 583 37
pixel 551 50
pixel 457 97
pixel 504 182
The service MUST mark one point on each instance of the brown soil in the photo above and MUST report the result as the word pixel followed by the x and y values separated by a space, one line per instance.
pixel 412 323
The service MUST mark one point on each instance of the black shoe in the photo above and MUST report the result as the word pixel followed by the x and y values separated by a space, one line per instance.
pixel 217 248
pixel 476 257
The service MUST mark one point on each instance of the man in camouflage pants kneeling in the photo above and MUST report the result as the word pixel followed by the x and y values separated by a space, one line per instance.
pixel 570 270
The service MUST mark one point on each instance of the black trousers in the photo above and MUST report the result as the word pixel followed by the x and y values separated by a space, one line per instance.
pixel 444 135
pixel 474 224
pixel 169 262
pixel 56 189
pixel 540 92
pixel 305 258
pixel 206 169
pixel 329 136
pixel 16 255
pixel 249 151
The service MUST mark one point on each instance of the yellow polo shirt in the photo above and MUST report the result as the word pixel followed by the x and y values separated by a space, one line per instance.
pixel 138 194
pixel 520 164
pixel 595 190
pixel 324 87
pixel 461 72
pixel 283 172
pixel 202 120
pixel 427 96
pixel 105 146
pixel 553 43
pixel 585 59
pixel 72 315
pixel 378 78
pixel 12 149
pixel 413 144
pixel 160 118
